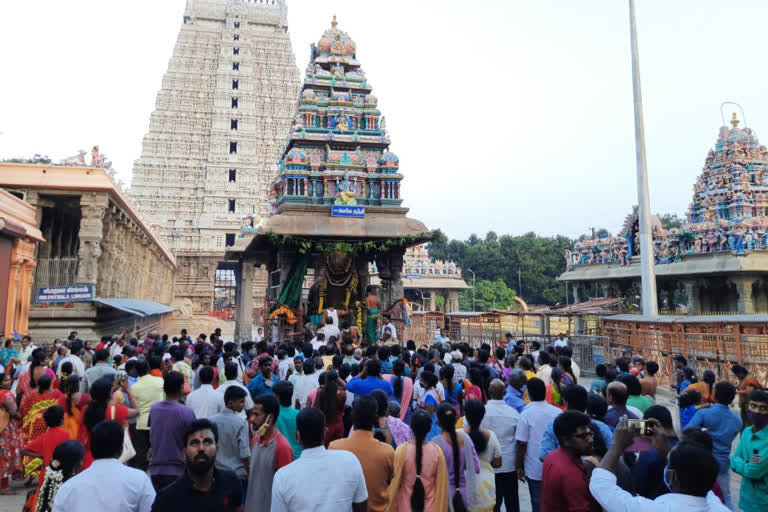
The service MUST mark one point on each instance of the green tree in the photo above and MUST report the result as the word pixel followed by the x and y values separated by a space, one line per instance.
pixel 36 159
pixel 671 220
pixel 488 295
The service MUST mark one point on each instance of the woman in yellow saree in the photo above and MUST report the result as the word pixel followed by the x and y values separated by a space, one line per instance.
pixel 33 405
pixel 421 477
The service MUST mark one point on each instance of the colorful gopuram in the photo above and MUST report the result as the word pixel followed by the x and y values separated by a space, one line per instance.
pixel 717 262
pixel 337 151
pixel 336 203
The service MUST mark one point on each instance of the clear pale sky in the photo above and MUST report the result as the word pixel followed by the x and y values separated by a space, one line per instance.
pixel 511 116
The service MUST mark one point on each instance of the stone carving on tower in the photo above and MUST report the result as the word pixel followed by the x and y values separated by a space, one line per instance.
pixel 215 137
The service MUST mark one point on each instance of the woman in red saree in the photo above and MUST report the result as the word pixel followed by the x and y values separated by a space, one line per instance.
pixel 10 434
pixel 33 405
pixel 38 368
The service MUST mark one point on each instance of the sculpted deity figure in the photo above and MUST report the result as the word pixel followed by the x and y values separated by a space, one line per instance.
pixel 97 159
pixel 78 159
pixel 345 191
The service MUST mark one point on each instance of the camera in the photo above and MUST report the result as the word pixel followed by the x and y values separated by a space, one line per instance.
pixel 642 427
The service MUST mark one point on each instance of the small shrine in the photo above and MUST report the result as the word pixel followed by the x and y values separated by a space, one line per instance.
pixel 429 285
pixel 336 203
pixel 717 262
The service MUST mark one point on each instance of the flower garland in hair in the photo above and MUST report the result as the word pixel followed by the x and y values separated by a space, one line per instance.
pixel 54 477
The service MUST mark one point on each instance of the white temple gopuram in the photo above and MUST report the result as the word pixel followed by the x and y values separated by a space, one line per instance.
pixel 220 121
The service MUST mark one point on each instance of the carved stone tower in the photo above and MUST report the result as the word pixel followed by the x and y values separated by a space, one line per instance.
pixel 215 139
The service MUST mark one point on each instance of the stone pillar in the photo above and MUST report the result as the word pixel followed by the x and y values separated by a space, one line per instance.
pixel 244 316
pixel 452 301
pixel 543 325
pixel 396 268
pixel 692 292
pixel 576 294
pixel 93 206
pixel 744 289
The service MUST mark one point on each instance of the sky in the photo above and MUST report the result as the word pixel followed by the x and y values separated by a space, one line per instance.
pixel 508 115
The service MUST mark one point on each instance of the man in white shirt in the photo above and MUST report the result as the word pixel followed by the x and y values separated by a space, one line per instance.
pixel 318 341
pixel 205 401
pixel 502 420
pixel 26 348
pixel 306 383
pixel 320 480
pixel 284 363
pixel 690 473
pixel 530 430
pixel 107 484
pixel 230 372
pixel 388 327
pixel 78 367
pixel 330 330
pixel 561 341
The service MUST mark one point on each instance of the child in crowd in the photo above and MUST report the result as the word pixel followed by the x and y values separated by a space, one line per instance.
pixel 598 385
pixel 688 402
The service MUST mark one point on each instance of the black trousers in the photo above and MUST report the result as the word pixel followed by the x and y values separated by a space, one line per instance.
pixel 506 489
pixel 140 439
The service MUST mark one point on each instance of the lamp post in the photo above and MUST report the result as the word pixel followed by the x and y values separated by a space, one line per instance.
pixel 647 272
pixel 473 288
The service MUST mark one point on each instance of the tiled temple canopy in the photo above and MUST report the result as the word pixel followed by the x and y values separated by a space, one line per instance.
pixel 729 211
pixel 337 150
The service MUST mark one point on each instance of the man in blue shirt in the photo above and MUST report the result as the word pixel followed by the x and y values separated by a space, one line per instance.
pixel 514 395
pixel 616 395
pixel 265 380
pixel 368 380
pixel 723 425
pixel 574 398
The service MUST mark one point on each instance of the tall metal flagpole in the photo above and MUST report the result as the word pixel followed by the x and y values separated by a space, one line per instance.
pixel 648 274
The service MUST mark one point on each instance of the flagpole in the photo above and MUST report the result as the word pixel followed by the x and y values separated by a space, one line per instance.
pixel 648 274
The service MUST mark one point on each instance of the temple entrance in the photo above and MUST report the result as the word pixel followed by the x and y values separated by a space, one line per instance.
pixel 225 291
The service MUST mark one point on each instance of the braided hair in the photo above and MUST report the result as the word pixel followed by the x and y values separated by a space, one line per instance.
pixel 474 412
pixel 446 418
pixel 398 369
pixel 421 424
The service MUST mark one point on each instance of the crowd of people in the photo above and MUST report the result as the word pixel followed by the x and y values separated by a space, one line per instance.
pixel 170 423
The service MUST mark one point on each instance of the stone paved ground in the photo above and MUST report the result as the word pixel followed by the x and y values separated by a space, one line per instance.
pixel 666 398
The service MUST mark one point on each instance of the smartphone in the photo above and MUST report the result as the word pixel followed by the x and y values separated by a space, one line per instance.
pixel 642 427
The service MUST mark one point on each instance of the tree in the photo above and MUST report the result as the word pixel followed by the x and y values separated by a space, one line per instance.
pixel 488 295
pixel 36 159
pixel 671 220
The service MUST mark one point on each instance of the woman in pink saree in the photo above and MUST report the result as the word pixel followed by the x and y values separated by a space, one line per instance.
pixel 403 388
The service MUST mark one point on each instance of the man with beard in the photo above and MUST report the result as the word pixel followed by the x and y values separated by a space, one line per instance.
pixel 202 487
pixel 270 451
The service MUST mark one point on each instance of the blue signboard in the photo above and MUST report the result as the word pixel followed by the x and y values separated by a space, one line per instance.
pixel 357 212
pixel 413 276
pixel 74 293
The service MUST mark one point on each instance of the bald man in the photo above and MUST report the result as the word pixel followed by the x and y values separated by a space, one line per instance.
pixel 502 420
pixel 616 395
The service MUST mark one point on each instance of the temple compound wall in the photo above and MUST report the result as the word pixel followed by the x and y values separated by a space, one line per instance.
pixel 93 236
pixel 214 142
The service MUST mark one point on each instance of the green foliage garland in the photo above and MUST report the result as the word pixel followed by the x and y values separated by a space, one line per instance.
pixel 353 247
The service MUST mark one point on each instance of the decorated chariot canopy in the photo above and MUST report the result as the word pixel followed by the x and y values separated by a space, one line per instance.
pixel 729 211
pixel 337 150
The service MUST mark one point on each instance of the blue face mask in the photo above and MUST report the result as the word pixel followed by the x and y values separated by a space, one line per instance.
pixel 666 481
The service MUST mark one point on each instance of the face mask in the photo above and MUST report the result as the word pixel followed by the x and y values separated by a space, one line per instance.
pixel 758 420
pixel 666 481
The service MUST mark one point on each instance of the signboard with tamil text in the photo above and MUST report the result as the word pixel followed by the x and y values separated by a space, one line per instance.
pixel 413 276
pixel 357 212
pixel 74 293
